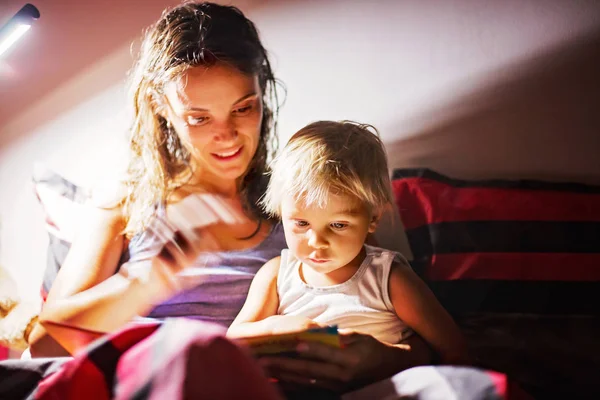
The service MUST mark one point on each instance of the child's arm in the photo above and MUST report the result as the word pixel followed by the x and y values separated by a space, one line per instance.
pixel 259 314
pixel 417 306
pixel 262 302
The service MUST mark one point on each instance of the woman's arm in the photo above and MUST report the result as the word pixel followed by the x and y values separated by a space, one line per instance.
pixel 86 294
pixel 361 361
pixel 417 306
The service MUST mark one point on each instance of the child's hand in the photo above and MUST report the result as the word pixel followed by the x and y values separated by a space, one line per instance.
pixel 291 323
pixel 273 325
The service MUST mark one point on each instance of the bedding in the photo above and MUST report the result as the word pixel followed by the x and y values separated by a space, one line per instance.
pixel 503 246
pixel 517 296
pixel 153 360
pixel 517 263
pixel 63 204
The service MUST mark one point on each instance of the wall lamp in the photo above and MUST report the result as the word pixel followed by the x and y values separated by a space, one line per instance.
pixel 16 27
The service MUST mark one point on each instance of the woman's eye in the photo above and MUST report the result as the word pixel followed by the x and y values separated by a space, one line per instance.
pixel 338 225
pixel 196 121
pixel 243 110
pixel 301 224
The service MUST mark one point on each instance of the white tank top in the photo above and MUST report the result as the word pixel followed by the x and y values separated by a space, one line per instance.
pixel 362 303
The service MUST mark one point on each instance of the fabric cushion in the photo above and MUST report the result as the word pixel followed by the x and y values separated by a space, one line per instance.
pixel 62 202
pixel 178 359
pixel 503 246
pixel 517 263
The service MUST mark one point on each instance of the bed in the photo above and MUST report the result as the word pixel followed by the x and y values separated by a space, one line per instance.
pixel 517 263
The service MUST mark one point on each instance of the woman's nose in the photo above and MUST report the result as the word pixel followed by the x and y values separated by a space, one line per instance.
pixel 225 131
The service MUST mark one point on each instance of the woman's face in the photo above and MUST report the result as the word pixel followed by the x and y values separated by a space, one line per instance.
pixel 218 112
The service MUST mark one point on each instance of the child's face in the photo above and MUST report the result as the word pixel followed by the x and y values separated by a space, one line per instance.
pixel 329 238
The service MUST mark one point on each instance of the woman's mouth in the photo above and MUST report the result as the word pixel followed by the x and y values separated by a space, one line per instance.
pixel 228 155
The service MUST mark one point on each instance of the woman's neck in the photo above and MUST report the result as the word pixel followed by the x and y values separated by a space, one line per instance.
pixel 199 184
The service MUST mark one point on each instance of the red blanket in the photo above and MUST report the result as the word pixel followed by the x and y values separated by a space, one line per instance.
pixel 178 359
pixel 181 359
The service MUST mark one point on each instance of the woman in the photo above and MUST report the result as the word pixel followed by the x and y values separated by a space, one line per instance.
pixel 205 106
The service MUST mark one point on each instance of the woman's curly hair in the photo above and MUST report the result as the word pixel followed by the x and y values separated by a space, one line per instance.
pixel 190 35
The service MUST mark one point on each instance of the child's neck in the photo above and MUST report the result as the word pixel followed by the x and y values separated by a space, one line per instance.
pixel 340 275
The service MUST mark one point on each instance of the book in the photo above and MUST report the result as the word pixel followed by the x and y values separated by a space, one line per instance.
pixel 285 344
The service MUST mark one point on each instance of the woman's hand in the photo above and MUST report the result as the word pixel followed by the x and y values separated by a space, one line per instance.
pixel 186 232
pixel 361 361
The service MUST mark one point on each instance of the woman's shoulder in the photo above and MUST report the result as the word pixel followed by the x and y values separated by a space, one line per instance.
pixel 104 208
pixel 276 237
pixel 108 195
pixel 100 221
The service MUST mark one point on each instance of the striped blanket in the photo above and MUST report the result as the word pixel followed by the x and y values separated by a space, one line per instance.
pixel 181 359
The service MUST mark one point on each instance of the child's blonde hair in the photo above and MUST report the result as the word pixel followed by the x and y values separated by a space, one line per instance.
pixel 344 158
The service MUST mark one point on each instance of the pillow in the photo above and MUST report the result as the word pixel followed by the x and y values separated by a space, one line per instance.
pixel 503 246
pixel 62 202
pixel 517 263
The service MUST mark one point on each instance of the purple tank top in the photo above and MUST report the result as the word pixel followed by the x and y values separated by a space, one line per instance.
pixel 219 282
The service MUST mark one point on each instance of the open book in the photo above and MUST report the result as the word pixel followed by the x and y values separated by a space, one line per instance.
pixel 286 343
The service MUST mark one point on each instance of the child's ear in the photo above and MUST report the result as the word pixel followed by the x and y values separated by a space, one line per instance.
pixel 375 218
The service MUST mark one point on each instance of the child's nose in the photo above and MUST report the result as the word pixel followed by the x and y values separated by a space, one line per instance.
pixel 316 240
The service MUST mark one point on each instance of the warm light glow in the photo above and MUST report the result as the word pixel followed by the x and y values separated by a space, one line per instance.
pixel 18 31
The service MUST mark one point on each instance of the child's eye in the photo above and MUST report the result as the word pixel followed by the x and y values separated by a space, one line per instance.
pixel 196 121
pixel 338 225
pixel 301 224
pixel 243 110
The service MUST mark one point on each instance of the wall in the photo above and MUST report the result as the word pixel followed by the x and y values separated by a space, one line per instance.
pixel 85 144
pixel 473 89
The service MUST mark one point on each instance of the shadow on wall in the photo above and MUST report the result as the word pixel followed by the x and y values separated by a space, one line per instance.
pixel 538 120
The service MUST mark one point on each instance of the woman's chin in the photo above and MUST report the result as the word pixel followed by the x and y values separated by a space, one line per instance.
pixel 230 174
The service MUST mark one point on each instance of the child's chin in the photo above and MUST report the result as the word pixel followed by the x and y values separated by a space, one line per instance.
pixel 324 268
